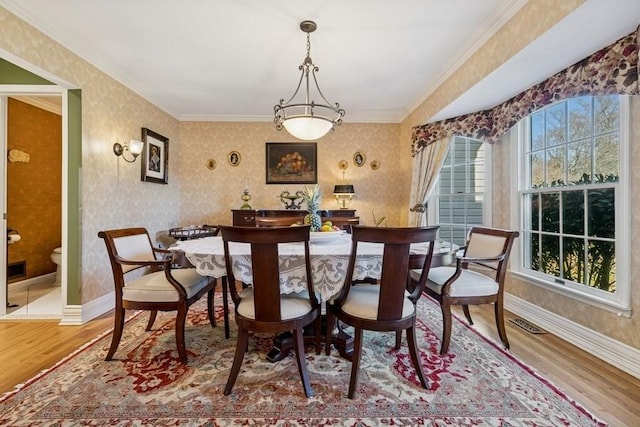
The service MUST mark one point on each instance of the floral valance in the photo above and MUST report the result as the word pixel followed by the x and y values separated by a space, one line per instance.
pixel 612 70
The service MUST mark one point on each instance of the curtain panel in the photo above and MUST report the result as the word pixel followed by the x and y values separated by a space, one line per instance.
pixel 612 70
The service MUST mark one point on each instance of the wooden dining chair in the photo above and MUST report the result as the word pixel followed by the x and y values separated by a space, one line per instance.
pixel 260 307
pixel 385 305
pixel 161 288
pixel 477 278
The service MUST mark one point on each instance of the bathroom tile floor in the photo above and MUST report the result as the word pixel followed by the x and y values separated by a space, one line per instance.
pixel 40 299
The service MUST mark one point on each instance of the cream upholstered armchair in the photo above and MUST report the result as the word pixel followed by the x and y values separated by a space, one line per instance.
pixel 477 278
pixel 160 289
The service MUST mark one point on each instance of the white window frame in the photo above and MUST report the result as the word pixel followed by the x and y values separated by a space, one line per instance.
pixel 433 205
pixel 618 302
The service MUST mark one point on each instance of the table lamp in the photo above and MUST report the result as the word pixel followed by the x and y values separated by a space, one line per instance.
pixel 343 194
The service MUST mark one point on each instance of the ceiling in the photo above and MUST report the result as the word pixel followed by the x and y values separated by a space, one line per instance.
pixel 234 60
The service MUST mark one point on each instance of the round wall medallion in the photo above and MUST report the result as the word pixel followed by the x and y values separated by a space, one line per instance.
pixel 343 164
pixel 211 164
pixel 375 164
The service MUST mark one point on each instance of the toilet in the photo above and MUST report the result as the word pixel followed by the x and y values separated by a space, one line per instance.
pixel 56 256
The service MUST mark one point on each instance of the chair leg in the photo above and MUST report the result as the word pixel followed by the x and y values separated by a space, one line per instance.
pixel 499 311
pixel 152 318
pixel 467 313
pixel 181 320
pixel 302 366
pixel 211 306
pixel 241 346
pixel 329 333
pixel 318 323
pixel 118 326
pixel 446 327
pixel 225 305
pixel 355 361
pixel 415 355
pixel 398 340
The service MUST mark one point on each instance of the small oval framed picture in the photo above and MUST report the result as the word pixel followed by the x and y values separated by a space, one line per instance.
pixel 234 158
pixel 359 159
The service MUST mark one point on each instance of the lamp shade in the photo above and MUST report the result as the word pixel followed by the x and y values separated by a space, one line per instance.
pixel 135 147
pixel 307 128
pixel 343 189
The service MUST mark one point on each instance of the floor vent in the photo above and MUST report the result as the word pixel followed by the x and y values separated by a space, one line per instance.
pixel 527 326
pixel 16 270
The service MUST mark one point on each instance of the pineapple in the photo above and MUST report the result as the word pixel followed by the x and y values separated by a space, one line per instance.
pixel 312 197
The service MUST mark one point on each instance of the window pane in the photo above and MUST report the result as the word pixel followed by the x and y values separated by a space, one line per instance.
pixel 556 122
pixel 534 262
pixel 579 118
pixel 537 131
pixel 573 265
pixel 573 212
pixel 602 260
pixel 459 152
pixel 457 210
pixel 474 209
pixel 476 178
pixel 555 166
pixel 476 151
pixel 602 212
pixel 551 212
pixel 459 235
pixel 579 162
pixel 445 180
pixel 537 169
pixel 534 205
pixel 606 114
pixel 550 255
pixel 459 179
pixel 606 158
pixel 444 211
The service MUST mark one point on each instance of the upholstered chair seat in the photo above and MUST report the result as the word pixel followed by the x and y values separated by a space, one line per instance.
pixel 156 287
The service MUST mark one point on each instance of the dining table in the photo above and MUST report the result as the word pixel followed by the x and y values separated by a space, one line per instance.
pixel 329 254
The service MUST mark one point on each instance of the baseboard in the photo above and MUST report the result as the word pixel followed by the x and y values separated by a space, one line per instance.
pixel 616 353
pixel 24 284
pixel 80 314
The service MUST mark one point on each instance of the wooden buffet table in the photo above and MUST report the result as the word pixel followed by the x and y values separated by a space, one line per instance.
pixel 247 217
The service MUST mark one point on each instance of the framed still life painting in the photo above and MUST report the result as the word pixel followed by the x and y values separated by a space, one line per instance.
pixel 291 163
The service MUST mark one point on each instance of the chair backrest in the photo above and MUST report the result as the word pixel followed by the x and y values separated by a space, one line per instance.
pixel 484 242
pixel 265 265
pixel 395 263
pixel 277 221
pixel 127 244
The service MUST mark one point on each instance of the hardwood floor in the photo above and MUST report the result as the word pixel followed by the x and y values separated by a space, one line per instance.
pixel 610 394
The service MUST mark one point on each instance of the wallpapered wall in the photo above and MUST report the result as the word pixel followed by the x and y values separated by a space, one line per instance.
pixel 207 196
pixel 113 195
pixel 34 196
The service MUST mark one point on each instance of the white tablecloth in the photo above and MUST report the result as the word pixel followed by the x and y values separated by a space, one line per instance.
pixel 329 261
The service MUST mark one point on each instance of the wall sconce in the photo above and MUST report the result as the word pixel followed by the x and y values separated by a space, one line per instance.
pixel 343 194
pixel 133 146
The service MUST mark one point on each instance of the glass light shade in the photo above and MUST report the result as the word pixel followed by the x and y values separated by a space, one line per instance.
pixel 135 147
pixel 307 128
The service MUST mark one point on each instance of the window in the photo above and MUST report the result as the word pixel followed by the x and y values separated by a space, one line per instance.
pixel 572 196
pixel 460 199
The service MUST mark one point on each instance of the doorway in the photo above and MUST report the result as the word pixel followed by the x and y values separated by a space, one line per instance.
pixel 34 206
pixel 32 288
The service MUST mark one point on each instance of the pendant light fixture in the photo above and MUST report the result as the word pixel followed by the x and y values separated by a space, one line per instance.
pixel 306 119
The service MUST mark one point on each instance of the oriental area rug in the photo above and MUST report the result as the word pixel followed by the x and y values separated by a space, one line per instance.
pixel 477 383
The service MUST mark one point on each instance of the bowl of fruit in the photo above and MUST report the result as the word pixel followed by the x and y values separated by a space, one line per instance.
pixel 327 233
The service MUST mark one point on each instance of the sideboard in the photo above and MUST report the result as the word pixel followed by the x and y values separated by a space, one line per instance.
pixel 247 217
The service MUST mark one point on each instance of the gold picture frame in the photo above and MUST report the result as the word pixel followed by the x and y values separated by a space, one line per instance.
pixel 359 159
pixel 234 158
